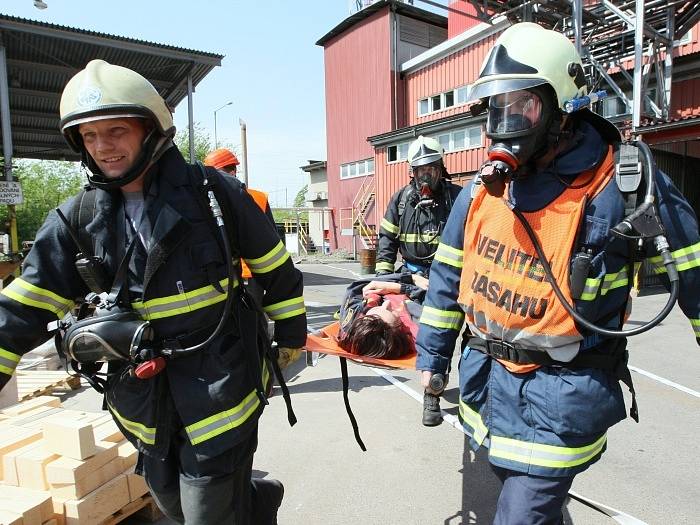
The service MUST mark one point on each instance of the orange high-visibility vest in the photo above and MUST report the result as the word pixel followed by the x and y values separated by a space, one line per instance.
pixel 260 198
pixel 503 290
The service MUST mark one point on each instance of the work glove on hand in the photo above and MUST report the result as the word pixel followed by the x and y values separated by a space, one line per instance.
pixel 382 272
pixel 288 355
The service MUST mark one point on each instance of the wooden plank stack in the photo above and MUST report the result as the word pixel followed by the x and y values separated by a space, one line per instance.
pixel 61 466
pixel 34 383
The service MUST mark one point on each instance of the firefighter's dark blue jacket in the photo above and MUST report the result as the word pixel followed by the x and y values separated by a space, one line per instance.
pixel 553 421
pixel 184 281
pixel 414 232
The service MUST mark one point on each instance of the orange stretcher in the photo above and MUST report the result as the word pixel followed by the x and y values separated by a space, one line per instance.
pixel 325 341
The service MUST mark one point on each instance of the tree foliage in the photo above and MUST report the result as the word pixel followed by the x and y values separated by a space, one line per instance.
pixel 290 215
pixel 45 185
pixel 202 142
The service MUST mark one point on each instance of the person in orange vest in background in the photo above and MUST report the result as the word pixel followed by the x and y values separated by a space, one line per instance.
pixel 224 160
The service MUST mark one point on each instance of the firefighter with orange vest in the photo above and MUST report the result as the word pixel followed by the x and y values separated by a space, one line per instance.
pixel 537 260
pixel 226 161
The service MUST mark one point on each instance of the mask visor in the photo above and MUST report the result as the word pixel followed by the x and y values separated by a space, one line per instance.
pixel 513 114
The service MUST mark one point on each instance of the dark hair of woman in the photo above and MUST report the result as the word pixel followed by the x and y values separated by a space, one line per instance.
pixel 371 336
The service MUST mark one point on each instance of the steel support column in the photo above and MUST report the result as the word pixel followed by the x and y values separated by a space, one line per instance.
pixel 190 117
pixel 7 141
pixel 638 54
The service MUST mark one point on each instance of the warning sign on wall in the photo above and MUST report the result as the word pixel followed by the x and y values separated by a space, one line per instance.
pixel 10 193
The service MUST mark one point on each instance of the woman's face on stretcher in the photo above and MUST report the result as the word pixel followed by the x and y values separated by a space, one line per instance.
pixel 385 313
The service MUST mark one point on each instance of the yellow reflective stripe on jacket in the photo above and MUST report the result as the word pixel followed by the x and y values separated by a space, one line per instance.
pixel 442 318
pixel 270 260
pixel 389 227
pixel 285 309
pixel 384 266
pixel 226 420
pixel 8 361
pixel 144 433
pixel 608 282
pixel 181 303
pixel 695 323
pixel 472 419
pixel 31 295
pixel 686 259
pixel 417 237
pixel 449 255
pixel 550 456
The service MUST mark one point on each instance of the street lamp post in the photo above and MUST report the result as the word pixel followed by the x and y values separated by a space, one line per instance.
pixel 216 142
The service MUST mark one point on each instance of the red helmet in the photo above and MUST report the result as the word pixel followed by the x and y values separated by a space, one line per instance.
pixel 221 158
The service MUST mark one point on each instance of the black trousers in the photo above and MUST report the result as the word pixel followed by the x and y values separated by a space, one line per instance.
pixel 203 491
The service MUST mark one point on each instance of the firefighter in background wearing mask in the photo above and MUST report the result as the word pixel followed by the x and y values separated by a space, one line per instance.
pixel 557 171
pixel 195 422
pixel 412 224
pixel 417 213
pixel 226 162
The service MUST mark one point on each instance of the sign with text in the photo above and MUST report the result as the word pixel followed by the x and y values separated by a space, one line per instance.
pixel 10 193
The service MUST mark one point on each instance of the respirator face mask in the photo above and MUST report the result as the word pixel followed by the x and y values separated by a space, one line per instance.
pixel 518 124
pixel 111 334
pixel 428 180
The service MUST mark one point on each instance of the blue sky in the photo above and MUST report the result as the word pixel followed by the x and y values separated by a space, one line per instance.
pixel 272 70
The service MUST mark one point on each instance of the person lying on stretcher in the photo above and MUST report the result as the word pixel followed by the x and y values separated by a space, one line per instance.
pixel 379 318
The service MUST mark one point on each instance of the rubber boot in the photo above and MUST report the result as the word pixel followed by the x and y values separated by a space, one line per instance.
pixel 432 416
pixel 213 502
pixel 267 498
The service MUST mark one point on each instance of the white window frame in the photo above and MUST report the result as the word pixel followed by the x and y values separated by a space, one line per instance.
pixel 428 101
pixel 427 105
pixel 468 145
pixel 399 157
pixel 684 40
pixel 348 166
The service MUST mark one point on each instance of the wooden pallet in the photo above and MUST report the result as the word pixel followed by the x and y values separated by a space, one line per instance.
pixel 144 508
pixel 33 383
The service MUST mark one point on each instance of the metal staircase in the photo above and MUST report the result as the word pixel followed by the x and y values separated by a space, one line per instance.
pixel 360 217
pixel 614 36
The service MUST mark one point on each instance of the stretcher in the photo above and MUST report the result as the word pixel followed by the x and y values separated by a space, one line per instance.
pixel 325 341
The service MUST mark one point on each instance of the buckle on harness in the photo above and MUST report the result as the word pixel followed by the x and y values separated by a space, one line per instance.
pixel 502 350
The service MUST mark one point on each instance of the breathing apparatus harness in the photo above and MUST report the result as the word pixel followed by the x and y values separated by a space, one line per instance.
pixel 641 223
pixel 115 332
pixel 422 197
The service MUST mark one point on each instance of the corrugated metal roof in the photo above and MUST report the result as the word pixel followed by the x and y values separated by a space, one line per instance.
pixel 42 57
pixel 400 7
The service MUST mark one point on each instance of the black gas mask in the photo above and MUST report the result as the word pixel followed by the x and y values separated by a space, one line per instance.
pixel 113 333
pixel 522 125
pixel 428 180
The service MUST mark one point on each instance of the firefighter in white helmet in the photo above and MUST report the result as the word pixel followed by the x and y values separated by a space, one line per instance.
pixel 416 214
pixel 538 261
pixel 187 370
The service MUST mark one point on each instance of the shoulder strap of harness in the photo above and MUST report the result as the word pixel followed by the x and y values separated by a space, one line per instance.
pixel 82 213
pixel 251 317
pixel 406 193
pixel 628 174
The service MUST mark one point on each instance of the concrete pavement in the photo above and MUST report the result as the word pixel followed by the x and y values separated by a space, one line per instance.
pixel 411 474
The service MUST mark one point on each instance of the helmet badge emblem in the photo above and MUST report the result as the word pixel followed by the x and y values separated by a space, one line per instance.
pixel 89 96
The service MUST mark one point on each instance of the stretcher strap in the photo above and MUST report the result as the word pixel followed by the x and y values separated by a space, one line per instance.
pixel 346 385
pixel 291 417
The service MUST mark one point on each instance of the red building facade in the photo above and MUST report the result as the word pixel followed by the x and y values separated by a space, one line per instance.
pixel 392 74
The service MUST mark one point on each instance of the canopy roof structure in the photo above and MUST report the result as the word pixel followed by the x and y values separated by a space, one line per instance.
pixel 37 59
pixel 611 34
